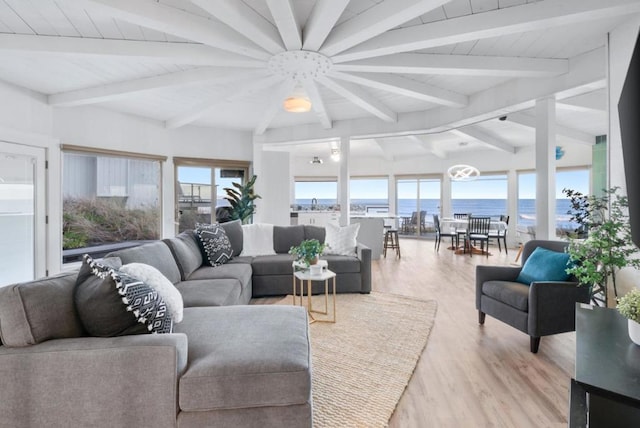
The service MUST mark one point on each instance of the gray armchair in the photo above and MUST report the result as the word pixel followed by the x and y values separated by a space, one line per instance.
pixel 539 309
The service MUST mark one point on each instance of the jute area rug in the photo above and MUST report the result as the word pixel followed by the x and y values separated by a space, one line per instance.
pixel 363 362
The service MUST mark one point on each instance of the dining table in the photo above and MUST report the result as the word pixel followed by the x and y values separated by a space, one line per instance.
pixel 453 225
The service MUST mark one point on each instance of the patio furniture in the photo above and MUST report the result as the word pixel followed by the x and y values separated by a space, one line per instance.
pixel 500 234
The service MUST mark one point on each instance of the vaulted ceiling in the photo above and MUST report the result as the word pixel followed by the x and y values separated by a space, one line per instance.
pixel 379 67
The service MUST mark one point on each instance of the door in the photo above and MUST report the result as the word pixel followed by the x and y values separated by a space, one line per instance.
pixel 22 213
pixel 417 200
pixel 200 190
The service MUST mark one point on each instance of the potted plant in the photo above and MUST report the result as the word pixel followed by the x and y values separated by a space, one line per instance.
pixel 607 247
pixel 308 252
pixel 241 200
pixel 629 307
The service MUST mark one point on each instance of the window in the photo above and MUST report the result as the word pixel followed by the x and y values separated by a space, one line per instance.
pixel 369 195
pixel 318 194
pixel 418 199
pixel 575 179
pixel 485 196
pixel 111 200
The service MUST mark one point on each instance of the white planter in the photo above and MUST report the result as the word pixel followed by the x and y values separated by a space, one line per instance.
pixel 634 331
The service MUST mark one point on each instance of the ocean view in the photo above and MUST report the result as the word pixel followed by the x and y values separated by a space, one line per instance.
pixel 489 207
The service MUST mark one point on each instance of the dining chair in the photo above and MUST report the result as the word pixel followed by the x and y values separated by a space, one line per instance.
pixel 461 231
pixel 500 234
pixel 478 230
pixel 440 234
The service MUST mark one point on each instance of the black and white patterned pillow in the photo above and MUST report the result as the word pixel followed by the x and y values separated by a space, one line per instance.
pixel 97 303
pixel 144 301
pixel 215 242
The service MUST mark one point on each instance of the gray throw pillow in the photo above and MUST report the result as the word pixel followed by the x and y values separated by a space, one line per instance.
pixel 216 244
pixel 234 233
pixel 111 303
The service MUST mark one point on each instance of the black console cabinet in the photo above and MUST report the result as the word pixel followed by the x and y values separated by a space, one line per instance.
pixel 606 388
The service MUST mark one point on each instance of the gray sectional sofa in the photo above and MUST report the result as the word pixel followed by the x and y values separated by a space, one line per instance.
pixel 227 364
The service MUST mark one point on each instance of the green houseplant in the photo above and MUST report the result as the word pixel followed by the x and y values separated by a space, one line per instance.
pixel 241 199
pixel 605 244
pixel 629 307
pixel 308 252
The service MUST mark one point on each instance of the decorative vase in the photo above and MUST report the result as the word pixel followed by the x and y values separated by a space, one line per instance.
pixel 314 260
pixel 634 331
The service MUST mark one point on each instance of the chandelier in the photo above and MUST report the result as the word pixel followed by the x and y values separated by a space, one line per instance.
pixel 463 173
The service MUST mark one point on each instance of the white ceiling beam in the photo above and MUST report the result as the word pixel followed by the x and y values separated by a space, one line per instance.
pixel 587 72
pixel 288 27
pixel 323 17
pixel 167 19
pixel 119 90
pixel 530 122
pixel 250 24
pixel 428 146
pixel 477 133
pixel 385 151
pixel 317 102
pixel 534 16
pixel 229 94
pixel 360 98
pixel 595 101
pixel 277 97
pixel 374 21
pixel 458 65
pixel 409 88
pixel 143 51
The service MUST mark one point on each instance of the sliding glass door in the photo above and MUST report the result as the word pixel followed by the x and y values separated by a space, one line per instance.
pixel 22 216
pixel 418 198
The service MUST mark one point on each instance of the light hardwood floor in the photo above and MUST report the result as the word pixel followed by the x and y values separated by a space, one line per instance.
pixel 471 375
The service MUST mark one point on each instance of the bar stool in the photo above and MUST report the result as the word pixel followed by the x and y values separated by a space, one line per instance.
pixel 391 241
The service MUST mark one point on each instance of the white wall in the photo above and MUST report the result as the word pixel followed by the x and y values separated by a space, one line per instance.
pixel 621 43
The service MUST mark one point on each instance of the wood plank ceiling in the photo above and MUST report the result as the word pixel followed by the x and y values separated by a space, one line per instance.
pixel 211 62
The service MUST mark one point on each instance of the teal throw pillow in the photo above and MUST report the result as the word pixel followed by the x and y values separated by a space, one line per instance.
pixel 544 265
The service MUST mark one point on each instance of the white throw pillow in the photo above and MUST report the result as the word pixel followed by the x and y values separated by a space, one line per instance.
pixel 341 240
pixel 257 239
pixel 156 280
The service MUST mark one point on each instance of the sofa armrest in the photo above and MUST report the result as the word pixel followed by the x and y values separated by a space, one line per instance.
pixel 364 254
pixel 90 381
pixel 493 273
pixel 552 306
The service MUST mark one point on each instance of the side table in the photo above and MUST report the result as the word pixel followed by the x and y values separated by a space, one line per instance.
pixel 302 277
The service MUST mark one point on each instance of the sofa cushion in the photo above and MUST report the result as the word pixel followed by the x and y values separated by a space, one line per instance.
pixel 156 254
pixel 315 232
pixel 343 264
pixel 285 237
pixel 186 251
pixel 216 244
pixel 234 233
pixel 156 280
pixel 245 356
pixel 257 239
pixel 239 271
pixel 212 292
pixel 510 293
pixel 113 303
pixel 36 311
pixel 278 264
